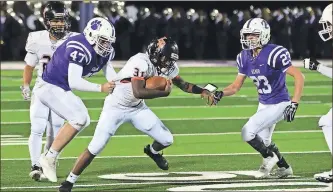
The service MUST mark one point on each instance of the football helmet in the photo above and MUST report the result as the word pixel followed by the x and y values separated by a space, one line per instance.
pixel 101 34
pixel 258 27
pixel 163 53
pixel 56 19
pixel 326 21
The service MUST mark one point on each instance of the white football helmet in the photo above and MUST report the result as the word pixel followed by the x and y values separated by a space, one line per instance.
pixel 256 26
pixel 326 21
pixel 100 33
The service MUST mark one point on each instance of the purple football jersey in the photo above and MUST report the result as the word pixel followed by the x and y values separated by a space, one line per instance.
pixel 268 72
pixel 75 50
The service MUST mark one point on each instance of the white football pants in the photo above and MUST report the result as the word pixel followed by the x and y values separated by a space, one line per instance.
pixel 325 123
pixel 263 122
pixel 38 112
pixel 141 117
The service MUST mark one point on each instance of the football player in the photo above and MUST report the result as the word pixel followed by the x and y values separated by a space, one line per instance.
pixel 325 121
pixel 78 57
pixel 267 65
pixel 126 104
pixel 40 47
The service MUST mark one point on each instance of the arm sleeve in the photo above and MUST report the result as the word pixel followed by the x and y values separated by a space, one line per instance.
pixel 76 81
pixel 327 71
pixel 31 57
pixel 240 64
pixel 279 58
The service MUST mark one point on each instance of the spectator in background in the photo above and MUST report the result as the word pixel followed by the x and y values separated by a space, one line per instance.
pixel 222 26
pixel 147 29
pixel 200 34
pixel 11 31
pixel 279 29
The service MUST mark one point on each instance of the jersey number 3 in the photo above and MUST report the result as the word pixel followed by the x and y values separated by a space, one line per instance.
pixel 259 81
pixel 45 60
pixel 137 73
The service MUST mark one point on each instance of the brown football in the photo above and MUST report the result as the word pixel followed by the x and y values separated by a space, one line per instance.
pixel 156 82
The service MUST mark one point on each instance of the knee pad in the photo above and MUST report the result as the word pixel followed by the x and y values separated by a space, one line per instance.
pixel 98 143
pixel 80 122
pixel 168 140
pixel 247 133
pixel 38 126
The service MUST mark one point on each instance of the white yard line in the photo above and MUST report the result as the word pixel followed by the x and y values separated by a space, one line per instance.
pixel 310 87
pixel 162 182
pixel 175 119
pixel 177 107
pixel 184 155
pixel 250 97
pixel 7 138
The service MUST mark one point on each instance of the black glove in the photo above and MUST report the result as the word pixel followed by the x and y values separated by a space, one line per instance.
pixel 217 97
pixel 290 111
pixel 311 64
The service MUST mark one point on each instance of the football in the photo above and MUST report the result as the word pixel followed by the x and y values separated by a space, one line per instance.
pixel 156 82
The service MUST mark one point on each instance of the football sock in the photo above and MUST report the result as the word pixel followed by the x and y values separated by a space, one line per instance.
pixel 35 148
pixel 282 162
pixel 328 136
pixel 72 177
pixel 52 153
pixel 259 146
pixel 156 147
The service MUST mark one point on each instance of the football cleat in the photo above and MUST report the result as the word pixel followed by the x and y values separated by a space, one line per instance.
pixel 325 177
pixel 66 186
pixel 49 167
pixel 160 161
pixel 267 166
pixel 36 173
pixel 282 172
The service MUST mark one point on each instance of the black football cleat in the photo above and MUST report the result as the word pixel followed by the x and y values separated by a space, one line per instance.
pixel 36 173
pixel 66 186
pixel 160 161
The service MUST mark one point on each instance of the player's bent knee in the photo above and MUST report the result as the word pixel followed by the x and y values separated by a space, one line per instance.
pixel 247 133
pixel 168 140
pixel 38 126
pixel 80 122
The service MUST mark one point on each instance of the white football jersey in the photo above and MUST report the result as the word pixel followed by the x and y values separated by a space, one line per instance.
pixel 40 49
pixel 139 66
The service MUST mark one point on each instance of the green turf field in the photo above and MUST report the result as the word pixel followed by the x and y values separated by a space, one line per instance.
pixel 208 152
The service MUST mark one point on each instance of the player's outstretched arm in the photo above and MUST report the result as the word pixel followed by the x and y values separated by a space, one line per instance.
pixel 140 91
pixel 234 87
pixel 314 65
pixel 76 81
pixel 193 88
pixel 299 82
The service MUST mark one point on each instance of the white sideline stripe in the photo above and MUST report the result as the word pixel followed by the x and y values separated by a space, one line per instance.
pixel 249 97
pixel 177 107
pixel 178 119
pixel 7 139
pixel 185 155
pixel 162 182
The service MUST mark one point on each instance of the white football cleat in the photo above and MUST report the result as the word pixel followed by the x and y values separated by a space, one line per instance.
pixel 49 167
pixel 282 172
pixel 325 177
pixel 266 167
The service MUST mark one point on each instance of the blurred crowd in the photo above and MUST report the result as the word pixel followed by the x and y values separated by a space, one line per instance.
pixel 200 34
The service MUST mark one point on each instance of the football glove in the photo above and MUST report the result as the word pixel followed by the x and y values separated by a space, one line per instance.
pixel 26 92
pixel 311 64
pixel 290 111
pixel 217 97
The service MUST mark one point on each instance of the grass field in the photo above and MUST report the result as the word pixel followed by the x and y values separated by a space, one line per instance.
pixel 208 152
